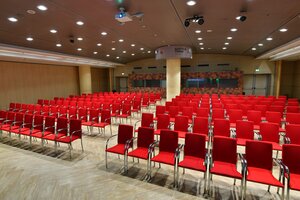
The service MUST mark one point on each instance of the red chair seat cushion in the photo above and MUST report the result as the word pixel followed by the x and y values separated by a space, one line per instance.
pixel 256 127
pixel 68 139
pixel 139 152
pixel 164 157
pixel 241 141
pixel 87 123
pixel 20 131
pixel 192 162
pixel 232 125
pixel 172 119
pixel 282 130
pixel 101 125
pixel 181 134
pixel 225 169
pixel 262 176
pixel 135 110
pixel 39 134
pixel 123 116
pixel 8 128
pixel 53 136
pixel 118 149
pixel 295 181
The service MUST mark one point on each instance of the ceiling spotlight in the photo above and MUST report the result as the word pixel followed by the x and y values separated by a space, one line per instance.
pixel 79 49
pixel 107 55
pixel 53 31
pixel 103 33
pixel 229 38
pixel 191 3
pixel 79 23
pixel 132 45
pixel 99 44
pixel 253 49
pixel 260 44
pixel 80 39
pixel 149 51
pixel 269 38
pixel 42 7
pixel 132 54
pixel 224 48
pixel 121 40
pixel 29 39
pixel 124 51
pixel 95 52
pixel 197 31
pixel 233 29
pixel 117 57
pixel 226 43
pixel 201 43
pixel 283 30
pixel 113 49
pixel 58 45
pixel 209 31
pixel 142 49
pixel 242 18
pixel 202 48
pixel 12 19
pixel 199 38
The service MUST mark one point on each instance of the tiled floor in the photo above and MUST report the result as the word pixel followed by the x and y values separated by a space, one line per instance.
pixel 40 173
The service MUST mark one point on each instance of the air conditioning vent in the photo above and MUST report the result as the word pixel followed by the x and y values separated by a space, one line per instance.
pixel 185 66
pixel 152 67
pixel 137 68
pixel 203 65
pixel 223 65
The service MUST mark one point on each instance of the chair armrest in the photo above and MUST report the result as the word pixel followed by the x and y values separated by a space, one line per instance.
pixel 75 132
pixel 152 146
pixel 259 136
pixel 24 124
pixel 16 122
pixel 128 143
pixel 151 125
pixel 136 123
pixel 109 140
pixel 82 117
pixel 287 140
pixel 48 127
pixel 36 125
pixel 244 164
pixel 177 151
pixel 107 119
pixel 61 129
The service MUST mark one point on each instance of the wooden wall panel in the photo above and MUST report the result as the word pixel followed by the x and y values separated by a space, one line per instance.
pixel 100 79
pixel 26 82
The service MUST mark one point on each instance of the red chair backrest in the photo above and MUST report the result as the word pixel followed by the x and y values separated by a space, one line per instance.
pixel 38 122
pixel 62 123
pixel 291 157
pixel 50 122
pixel 262 109
pixel 145 137
pixel 293 118
pixel 28 118
pixel 269 132
pixel 254 116
pixel 94 115
pixel 126 109
pixel 187 111
pixel 82 114
pixel 218 113
pixel 224 150
pixel 75 127
pixel 125 132
pixel 19 119
pixel 221 127
pixel 273 117
pixel 194 145
pixel 244 129
pixel 181 123
pixel 160 110
pixel 293 132
pixel 168 141
pixel 173 111
pixel 235 115
pixel 259 154
pixel 163 121
pixel 147 119
pixel 202 112
pixel 292 109
pixel 200 125
pixel 105 116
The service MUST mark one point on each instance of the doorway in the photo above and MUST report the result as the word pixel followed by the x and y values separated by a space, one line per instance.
pixel 122 84
pixel 257 84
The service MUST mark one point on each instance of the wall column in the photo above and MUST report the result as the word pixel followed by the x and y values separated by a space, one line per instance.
pixel 278 65
pixel 85 79
pixel 111 77
pixel 173 78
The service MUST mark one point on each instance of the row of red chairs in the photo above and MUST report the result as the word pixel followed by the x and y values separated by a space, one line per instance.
pixel 59 130
pixel 257 163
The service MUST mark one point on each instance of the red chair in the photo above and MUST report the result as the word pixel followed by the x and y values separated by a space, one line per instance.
pixel 195 155
pixel 145 140
pixel 82 114
pixel 3 116
pixel 163 123
pixel 201 126
pixel 291 161
pixel 146 121
pixel 218 113
pixel 173 112
pixel 244 132
pixel 292 109
pixel 221 128
pixel 262 108
pixel 202 112
pixel 255 117
pixel 181 125
pixel 115 110
pixel 276 109
pixel 269 132
pixel 224 160
pixel 75 132
pixel 37 126
pixel 292 118
pixel 26 126
pixel 105 121
pixel 260 164
pixel 40 131
pixel 245 108
pixel 188 111
pixel 60 131
pixel 292 134
pixel 93 119
pixel 235 115
pixel 136 107
pixel 124 142
pixel 168 148
pixel 159 110
pixel 126 113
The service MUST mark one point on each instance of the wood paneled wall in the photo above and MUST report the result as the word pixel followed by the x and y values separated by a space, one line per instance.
pixel 27 82
pixel 100 79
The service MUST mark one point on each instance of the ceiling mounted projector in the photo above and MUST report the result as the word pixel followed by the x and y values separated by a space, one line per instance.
pixel 194 19
pixel 123 16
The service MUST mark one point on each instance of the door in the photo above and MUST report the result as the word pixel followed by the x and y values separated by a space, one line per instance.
pixel 123 84
pixel 256 84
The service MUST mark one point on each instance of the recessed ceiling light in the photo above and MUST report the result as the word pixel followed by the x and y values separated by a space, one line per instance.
pixel 201 43
pixel 80 39
pixel 202 48
pixel 79 49
pixel 132 54
pixel 121 40
pixel 117 57
pixel 191 3
pixel 226 43
pixel 209 31
pixel 12 19
pixel 197 31
pixel 233 29
pixel 269 38
pixel 224 48
pixel 124 51
pixel 113 41
pixel 199 38
pixel 99 44
pixel 257 69
pixel 107 55
pixel 79 23
pixel 42 7
pixel 113 48
pixel 31 12
pixel 149 51
pixel 123 73
pixel 253 49
pixel 95 52
pixel 103 33
pixel 260 44
pixel 283 30
pixel 29 39
pixel 238 18
pixel 229 38
pixel 58 45
pixel 132 45
pixel 53 31
pixel 142 49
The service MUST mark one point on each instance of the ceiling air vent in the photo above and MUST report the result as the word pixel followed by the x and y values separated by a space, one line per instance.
pixel 137 68
pixel 152 67
pixel 203 65
pixel 223 65
pixel 185 66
